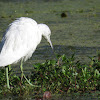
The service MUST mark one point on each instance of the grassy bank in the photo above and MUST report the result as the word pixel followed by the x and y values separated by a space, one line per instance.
pixel 63 75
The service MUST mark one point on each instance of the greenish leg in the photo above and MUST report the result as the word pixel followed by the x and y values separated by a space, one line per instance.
pixel 21 67
pixel 8 86
pixel 9 67
pixel 22 75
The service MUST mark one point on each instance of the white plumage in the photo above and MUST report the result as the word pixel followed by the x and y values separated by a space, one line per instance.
pixel 21 39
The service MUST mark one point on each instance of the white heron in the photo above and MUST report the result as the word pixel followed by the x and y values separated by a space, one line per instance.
pixel 20 41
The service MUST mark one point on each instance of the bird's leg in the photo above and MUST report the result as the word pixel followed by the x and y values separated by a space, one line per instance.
pixel 30 82
pixel 21 67
pixel 23 75
pixel 9 67
pixel 8 86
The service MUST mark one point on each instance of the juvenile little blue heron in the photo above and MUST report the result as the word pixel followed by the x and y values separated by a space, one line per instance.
pixel 20 41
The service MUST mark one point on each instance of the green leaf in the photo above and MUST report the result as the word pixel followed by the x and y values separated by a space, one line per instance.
pixel 64 70
pixel 96 73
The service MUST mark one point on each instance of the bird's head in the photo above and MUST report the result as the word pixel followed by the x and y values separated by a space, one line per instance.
pixel 46 32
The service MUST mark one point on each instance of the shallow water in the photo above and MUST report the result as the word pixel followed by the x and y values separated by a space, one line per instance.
pixel 78 32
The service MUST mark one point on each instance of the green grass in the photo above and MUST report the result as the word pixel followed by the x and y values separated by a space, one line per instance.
pixel 63 75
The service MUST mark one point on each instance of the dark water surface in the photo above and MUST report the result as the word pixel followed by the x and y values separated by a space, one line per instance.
pixel 78 32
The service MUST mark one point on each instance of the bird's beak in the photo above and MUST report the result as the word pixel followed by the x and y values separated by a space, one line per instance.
pixel 50 43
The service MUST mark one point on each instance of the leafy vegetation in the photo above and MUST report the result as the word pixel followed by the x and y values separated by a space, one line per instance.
pixel 64 75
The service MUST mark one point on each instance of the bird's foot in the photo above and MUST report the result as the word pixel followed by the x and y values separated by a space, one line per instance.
pixel 30 82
